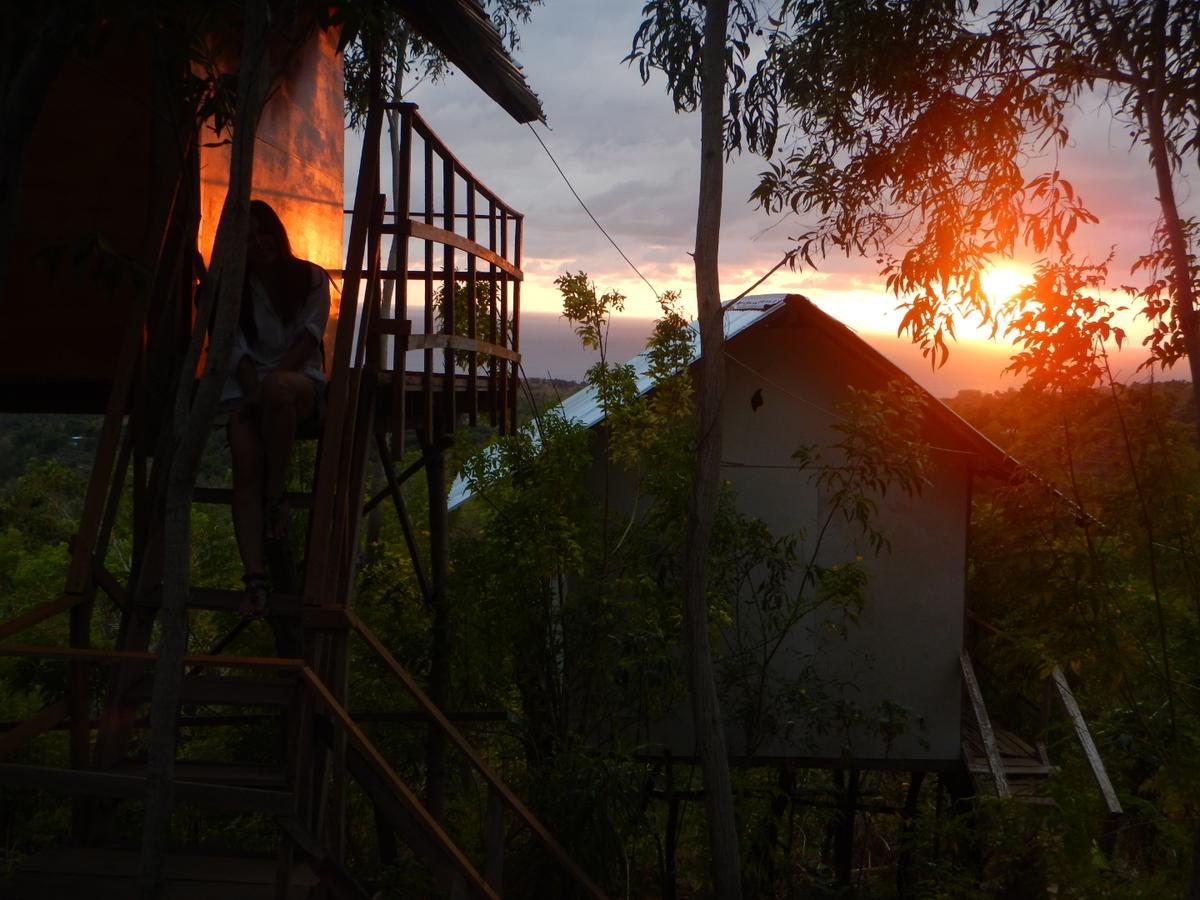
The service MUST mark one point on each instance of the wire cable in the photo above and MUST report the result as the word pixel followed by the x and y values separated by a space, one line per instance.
pixel 775 268
pixel 571 187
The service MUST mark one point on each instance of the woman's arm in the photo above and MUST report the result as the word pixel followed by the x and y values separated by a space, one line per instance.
pixel 298 354
pixel 312 317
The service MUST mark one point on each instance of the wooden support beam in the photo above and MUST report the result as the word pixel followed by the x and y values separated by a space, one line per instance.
pixel 40 613
pixel 79 700
pixel 1085 740
pixel 107 582
pixel 221 496
pixel 22 733
pixel 985 726
pixel 493 842
pixel 230 601
pixel 843 825
pixel 325 618
pixel 142 656
pixel 410 540
pixel 223 690
pixel 412 469
pixel 322 549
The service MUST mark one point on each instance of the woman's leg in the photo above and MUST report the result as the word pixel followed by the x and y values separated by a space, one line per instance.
pixel 285 399
pixel 245 446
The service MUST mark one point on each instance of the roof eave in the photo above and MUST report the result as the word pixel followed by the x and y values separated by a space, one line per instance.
pixel 462 31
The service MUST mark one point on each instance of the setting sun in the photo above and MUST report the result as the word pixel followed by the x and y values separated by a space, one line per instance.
pixel 1001 282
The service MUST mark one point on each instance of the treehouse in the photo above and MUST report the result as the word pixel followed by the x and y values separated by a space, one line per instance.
pixel 117 207
pixel 859 659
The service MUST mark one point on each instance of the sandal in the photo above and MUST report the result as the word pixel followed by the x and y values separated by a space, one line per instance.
pixel 258 593
pixel 276 514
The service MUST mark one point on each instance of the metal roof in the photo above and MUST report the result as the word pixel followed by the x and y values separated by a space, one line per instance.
pixel 584 408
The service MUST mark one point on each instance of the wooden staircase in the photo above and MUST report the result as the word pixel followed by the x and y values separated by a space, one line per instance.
pixel 300 781
pixel 1001 764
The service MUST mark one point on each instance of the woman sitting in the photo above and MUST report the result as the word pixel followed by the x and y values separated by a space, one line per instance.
pixel 277 384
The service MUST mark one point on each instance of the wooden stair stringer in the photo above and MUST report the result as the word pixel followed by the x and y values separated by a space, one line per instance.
pixel 399 805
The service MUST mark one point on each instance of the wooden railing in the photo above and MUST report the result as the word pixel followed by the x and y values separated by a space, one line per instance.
pixel 432 837
pixel 450 250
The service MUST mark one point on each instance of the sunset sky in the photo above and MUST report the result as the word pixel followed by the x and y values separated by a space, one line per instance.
pixel 635 163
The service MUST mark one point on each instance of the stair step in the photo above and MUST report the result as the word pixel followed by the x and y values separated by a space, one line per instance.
pixel 267 778
pixel 1012 767
pixel 100 874
pixel 230 601
pixel 223 690
pixel 113 784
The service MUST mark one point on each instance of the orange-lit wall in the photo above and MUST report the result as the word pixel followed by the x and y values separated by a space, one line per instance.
pixel 297 160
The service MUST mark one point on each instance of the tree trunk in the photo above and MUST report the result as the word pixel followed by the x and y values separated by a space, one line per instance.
pixel 1180 269
pixel 706 711
pixel 191 426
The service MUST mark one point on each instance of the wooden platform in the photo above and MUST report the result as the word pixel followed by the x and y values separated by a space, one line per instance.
pixel 1025 768
pixel 98 874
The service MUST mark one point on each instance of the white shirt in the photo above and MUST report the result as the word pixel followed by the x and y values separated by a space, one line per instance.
pixel 276 338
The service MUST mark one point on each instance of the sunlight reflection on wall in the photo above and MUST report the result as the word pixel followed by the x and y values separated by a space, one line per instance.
pixel 298 161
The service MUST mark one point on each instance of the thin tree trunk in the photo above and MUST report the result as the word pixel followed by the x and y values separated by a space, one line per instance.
pixel 1180 269
pixel 706 711
pixel 191 426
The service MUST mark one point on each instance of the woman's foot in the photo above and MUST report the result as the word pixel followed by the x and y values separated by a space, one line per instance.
pixel 276 515
pixel 258 593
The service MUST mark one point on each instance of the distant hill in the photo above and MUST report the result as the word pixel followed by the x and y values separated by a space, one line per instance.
pixel 550 349
pixel 543 393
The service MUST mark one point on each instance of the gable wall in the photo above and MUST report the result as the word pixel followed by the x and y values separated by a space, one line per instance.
pixel 905 648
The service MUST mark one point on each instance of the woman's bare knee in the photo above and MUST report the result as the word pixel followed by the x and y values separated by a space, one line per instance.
pixel 276 389
pixel 288 390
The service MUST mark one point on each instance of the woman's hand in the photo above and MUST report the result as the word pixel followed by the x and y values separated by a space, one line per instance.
pixel 251 404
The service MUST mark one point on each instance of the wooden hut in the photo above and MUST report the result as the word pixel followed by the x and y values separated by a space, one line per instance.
pixel 881 680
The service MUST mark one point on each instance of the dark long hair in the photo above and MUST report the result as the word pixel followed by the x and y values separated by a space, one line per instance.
pixel 294 276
